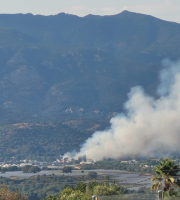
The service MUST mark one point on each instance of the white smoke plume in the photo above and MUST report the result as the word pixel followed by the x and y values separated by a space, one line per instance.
pixel 150 127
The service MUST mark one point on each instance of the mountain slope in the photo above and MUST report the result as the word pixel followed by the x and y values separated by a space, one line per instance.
pixel 50 64
pixel 65 69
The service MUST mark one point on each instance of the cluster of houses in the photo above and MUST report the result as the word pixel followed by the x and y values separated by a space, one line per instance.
pixel 24 163
pixel 82 160
pixel 129 161
pixel 79 160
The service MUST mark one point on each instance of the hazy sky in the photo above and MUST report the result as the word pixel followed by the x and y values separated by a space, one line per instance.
pixel 164 9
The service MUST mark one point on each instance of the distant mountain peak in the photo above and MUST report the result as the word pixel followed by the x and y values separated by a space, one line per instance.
pixel 125 11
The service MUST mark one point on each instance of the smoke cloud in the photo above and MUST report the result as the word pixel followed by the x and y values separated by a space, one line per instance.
pixel 150 127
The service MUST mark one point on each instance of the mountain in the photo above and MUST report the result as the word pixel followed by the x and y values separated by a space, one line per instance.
pixel 77 71
pixel 124 34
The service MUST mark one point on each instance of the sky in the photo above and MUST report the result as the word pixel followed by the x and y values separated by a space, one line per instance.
pixel 164 9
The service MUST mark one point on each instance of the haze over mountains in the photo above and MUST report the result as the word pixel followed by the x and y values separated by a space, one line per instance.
pixel 77 70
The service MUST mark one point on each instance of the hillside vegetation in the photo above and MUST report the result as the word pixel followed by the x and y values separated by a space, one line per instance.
pixel 66 76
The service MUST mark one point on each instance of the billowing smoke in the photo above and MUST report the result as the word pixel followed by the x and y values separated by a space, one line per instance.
pixel 150 127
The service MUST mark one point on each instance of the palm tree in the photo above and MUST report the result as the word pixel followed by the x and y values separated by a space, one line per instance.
pixel 166 171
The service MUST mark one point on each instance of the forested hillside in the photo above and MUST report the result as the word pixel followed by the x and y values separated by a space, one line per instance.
pixel 75 72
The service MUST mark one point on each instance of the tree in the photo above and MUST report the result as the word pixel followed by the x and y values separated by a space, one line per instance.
pixel 3 170
pixel 34 169
pixel 51 197
pixel 70 194
pixel 5 194
pixel 25 169
pixel 30 169
pixel 165 171
pixel 92 174
pixel 67 170
pixel 81 186
pixel 103 190
pixel 13 168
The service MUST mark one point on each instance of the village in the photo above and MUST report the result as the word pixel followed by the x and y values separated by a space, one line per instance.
pixel 65 161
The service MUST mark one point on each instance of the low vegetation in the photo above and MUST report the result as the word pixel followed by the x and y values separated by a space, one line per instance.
pixel 118 165
pixel 84 191
pixel 37 187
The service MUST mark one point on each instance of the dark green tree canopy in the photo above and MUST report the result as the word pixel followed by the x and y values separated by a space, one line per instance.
pixel 67 169
pixel 30 169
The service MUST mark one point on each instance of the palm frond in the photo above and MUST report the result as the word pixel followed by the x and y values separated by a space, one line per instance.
pixel 156 178
pixel 170 180
pixel 155 186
